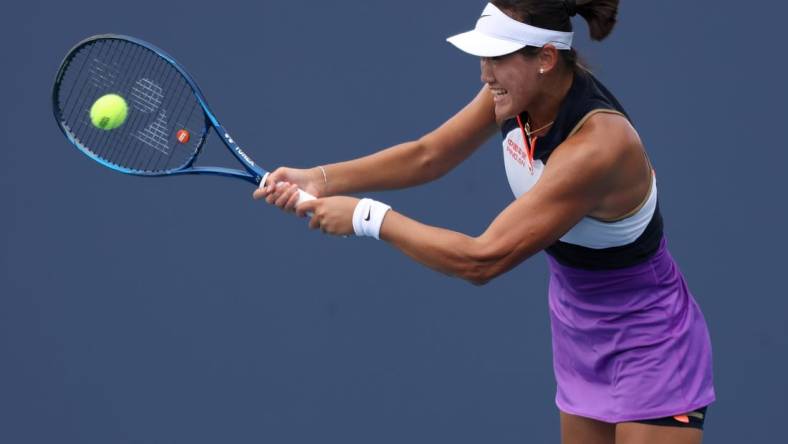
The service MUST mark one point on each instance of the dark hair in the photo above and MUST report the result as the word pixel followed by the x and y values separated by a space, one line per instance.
pixel 556 15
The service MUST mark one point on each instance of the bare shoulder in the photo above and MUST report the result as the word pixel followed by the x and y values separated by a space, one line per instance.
pixel 602 164
pixel 611 126
pixel 603 139
pixel 607 156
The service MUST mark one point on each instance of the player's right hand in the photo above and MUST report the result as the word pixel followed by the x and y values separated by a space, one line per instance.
pixel 281 186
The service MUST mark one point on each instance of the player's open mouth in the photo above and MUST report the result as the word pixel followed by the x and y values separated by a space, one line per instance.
pixel 498 94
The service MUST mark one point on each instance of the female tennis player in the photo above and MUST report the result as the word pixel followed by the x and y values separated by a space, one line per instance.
pixel 631 351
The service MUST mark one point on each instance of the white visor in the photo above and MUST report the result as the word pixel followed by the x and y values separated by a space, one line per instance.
pixel 497 34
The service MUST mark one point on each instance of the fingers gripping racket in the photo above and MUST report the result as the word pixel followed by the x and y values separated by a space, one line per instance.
pixel 131 107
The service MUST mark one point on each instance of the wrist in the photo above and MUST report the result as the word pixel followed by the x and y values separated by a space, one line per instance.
pixel 320 180
pixel 368 217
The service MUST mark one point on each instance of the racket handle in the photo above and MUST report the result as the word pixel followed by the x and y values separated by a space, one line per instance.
pixel 303 196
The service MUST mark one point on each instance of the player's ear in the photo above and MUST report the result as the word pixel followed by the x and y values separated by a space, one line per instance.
pixel 548 58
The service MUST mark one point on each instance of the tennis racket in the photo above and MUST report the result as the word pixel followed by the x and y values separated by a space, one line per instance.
pixel 166 118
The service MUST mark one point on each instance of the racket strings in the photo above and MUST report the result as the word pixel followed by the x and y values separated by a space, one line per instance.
pixel 160 103
pixel 158 131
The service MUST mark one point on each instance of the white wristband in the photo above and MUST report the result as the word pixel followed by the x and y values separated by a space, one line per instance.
pixel 368 217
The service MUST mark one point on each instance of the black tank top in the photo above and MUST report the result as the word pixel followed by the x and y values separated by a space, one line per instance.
pixel 585 96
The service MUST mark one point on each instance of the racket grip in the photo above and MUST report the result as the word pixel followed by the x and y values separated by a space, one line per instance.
pixel 303 196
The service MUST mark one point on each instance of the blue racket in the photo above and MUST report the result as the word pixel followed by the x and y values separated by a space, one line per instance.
pixel 161 118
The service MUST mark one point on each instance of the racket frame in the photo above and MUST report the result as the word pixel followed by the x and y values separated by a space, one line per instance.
pixel 254 173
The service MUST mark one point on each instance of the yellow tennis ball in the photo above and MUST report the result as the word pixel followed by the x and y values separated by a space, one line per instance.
pixel 109 112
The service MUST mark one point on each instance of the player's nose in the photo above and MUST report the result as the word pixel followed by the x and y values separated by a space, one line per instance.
pixel 486 71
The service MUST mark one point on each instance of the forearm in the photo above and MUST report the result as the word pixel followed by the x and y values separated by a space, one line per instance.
pixel 446 251
pixel 401 166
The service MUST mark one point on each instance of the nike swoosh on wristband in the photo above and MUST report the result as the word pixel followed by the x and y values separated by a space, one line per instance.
pixel 369 213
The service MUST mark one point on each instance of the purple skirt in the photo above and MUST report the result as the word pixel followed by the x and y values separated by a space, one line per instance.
pixel 628 344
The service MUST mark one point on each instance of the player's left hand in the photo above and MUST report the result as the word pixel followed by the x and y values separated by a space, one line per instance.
pixel 332 215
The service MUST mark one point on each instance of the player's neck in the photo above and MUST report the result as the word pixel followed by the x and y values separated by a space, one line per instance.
pixel 546 109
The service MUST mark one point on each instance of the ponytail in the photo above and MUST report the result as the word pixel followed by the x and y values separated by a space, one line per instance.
pixel 600 15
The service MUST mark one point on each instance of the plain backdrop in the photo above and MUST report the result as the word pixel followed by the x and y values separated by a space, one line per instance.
pixel 179 310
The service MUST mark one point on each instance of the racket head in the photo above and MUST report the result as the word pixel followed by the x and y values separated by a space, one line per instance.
pixel 162 102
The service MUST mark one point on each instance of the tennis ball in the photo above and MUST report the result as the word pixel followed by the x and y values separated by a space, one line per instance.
pixel 109 112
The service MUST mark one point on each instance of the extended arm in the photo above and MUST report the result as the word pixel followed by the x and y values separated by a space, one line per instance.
pixel 582 173
pixel 404 165
pixel 417 162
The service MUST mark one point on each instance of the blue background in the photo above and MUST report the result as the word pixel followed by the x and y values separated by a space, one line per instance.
pixel 178 310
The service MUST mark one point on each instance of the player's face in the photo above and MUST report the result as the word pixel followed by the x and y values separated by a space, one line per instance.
pixel 511 80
